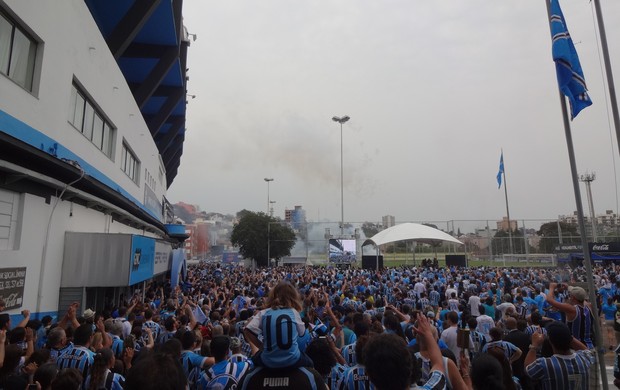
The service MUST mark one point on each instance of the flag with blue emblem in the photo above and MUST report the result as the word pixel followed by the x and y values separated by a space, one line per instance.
pixel 567 66
pixel 501 171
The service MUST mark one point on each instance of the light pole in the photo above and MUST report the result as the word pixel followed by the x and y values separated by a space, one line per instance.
pixel 271 203
pixel 341 120
pixel 588 178
pixel 268 203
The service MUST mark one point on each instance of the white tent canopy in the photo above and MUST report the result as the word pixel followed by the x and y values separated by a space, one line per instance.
pixel 411 232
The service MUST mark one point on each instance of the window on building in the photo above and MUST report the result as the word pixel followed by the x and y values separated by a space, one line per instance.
pixel 129 163
pixel 17 53
pixel 90 121
pixel 10 203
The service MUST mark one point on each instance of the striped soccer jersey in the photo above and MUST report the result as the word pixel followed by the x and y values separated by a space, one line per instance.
pixel 355 378
pixel 348 353
pixel 561 372
pixel 79 357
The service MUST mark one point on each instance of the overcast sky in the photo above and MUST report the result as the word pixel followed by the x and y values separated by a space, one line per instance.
pixel 435 89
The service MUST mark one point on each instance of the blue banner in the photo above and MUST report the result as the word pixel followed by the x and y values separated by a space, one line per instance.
pixel 142 259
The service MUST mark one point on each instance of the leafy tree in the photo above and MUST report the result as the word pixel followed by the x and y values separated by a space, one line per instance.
pixel 370 229
pixel 501 242
pixel 250 235
pixel 550 236
pixel 243 213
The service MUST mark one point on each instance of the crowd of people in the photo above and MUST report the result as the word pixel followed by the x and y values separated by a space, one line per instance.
pixel 424 327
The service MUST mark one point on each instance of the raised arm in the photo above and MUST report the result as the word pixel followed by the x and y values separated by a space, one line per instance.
pixel 24 321
pixel 106 339
pixel 434 353
pixel 564 307
pixel 537 341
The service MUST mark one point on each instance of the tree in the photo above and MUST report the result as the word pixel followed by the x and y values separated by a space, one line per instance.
pixel 250 235
pixel 550 236
pixel 370 229
pixel 501 242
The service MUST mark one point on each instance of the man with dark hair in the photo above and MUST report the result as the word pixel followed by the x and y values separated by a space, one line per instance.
pixel 80 356
pixel 156 371
pixel 389 364
pixel 192 362
pixel 355 377
pixel 348 351
pixel 170 325
pixel 67 379
pixel 5 322
pixel 536 326
pixel 511 351
pixel 449 335
pixel 348 335
pixel 150 324
pixel 565 369
pixel 223 373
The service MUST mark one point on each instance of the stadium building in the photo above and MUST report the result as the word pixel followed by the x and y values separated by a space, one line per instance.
pixel 92 124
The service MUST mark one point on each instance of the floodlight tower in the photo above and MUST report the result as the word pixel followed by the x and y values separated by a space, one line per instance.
pixel 588 178
pixel 341 120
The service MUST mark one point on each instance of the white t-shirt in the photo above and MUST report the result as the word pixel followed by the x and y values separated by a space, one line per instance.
pixel 474 304
pixel 485 323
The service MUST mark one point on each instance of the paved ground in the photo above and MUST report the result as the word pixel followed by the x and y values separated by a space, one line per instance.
pixel 609 364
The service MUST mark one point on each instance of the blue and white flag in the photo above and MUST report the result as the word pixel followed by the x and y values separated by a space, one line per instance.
pixel 568 69
pixel 501 171
pixel 199 315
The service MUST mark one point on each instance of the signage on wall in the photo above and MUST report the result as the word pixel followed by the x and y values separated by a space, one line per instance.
pixel 142 259
pixel 12 281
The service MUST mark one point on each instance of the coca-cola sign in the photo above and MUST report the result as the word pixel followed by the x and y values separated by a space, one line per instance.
pixel 12 282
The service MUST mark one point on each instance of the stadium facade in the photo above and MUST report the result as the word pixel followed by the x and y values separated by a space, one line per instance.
pixel 92 125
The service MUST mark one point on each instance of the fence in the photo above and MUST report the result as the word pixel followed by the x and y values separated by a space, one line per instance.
pixel 530 242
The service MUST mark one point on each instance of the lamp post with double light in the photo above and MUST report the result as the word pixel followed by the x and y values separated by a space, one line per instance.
pixel 268 180
pixel 341 120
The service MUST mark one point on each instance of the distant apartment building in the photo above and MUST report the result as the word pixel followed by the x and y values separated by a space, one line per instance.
pixel 296 217
pixel 198 245
pixel 609 219
pixel 388 221
pixel 503 224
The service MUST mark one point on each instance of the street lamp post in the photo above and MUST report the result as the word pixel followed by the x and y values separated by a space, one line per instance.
pixel 341 120
pixel 268 203
pixel 271 203
pixel 588 178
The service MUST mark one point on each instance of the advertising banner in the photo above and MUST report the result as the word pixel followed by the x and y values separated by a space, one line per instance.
pixel 163 257
pixel 12 282
pixel 142 259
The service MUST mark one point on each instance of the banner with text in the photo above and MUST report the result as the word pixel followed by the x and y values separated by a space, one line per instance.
pixel 12 282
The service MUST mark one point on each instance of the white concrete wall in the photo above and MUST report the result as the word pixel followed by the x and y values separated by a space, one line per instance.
pixel 73 47
pixel 29 250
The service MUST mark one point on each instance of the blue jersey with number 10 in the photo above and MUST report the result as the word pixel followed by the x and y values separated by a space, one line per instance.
pixel 280 329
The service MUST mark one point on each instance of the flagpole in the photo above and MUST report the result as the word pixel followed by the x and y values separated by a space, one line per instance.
pixel 582 232
pixel 610 78
pixel 584 243
pixel 507 210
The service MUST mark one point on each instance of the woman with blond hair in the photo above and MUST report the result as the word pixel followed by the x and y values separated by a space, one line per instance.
pixel 280 325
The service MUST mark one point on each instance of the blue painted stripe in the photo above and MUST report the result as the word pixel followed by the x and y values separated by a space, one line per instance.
pixel 17 318
pixel 20 130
